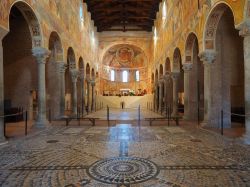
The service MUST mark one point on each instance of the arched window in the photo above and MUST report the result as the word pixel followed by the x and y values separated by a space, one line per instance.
pixel 81 15
pixel 112 75
pixel 125 76
pixel 137 76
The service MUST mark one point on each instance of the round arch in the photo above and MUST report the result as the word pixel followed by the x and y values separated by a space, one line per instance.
pixel 55 46
pixel 167 66
pixel 31 18
pixel 189 46
pixel 212 23
pixel 177 60
pixel 161 70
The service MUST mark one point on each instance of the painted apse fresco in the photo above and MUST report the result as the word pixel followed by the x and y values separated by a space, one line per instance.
pixel 121 58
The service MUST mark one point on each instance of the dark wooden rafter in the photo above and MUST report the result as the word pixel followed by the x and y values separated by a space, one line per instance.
pixel 123 15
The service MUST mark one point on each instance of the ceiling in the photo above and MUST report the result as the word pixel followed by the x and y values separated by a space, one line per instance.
pixel 123 15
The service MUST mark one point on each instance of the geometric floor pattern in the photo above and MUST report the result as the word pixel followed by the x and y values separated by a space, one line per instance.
pixel 124 155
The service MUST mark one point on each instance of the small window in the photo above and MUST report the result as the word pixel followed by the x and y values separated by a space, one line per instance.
pixel 112 75
pixel 137 76
pixel 164 11
pixel 124 76
pixel 81 15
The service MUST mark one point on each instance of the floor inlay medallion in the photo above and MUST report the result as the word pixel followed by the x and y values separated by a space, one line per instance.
pixel 123 170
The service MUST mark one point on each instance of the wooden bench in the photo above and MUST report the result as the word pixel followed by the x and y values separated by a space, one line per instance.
pixel 154 119
pixel 91 119
pixel 175 118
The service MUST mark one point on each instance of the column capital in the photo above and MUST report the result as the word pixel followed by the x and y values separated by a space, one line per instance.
pixel 187 67
pixel 244 28
pixel 61 67
pixel 92 82
pixel 208 56
pixel 81 75
pixel 74 74
pixel 40 54
pixel 175 75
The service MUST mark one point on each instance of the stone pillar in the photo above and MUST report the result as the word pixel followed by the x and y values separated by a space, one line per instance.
pixel 156 97
pixel 2 34
pixel 245 32
pixel 187 67
pixel 166 87
pixel 62 67
pixel 208 57
pixel 160 96
pixel 41 54
pixel 93 96
pixel 88 95
pixel 175 77
pixel 74 75
pixel 82 94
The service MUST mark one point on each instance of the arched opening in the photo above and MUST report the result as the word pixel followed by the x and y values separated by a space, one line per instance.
pixel 152 82
pixel 228 68
pixel 80 87
pixel 19 66
pixel 161 71
pixel 156 90
pixel 177 68
pixel 53 75
pixel 195 84
pixel 167 66
pixel 93 74
pixel 87 85
pixel 71 65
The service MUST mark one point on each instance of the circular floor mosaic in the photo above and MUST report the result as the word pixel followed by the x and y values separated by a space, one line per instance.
pixel 123 170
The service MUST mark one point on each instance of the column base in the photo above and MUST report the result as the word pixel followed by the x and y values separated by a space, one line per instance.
pixel 205 123
pixel 246 138
pixel 3 141
pixel 41 124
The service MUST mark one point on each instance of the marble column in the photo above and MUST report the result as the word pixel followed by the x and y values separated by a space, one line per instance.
pixel 156 96
pixel 167 90
pixel 41 54
pixel 245 32
pixel 2 34
pixel 93 96
pixel 62 68
pixel 88 95
pixel 160 96
pixel 82 94
pixel 74 76
pixel 187 67
pixel 208 57
pixel 175 77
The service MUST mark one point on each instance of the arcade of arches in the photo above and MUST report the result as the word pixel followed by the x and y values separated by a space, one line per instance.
pixel 58 61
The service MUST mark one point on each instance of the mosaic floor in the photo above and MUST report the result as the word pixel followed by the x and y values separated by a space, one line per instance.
pixel 124 155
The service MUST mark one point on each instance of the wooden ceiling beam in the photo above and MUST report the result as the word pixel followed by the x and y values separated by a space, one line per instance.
pixel 123 13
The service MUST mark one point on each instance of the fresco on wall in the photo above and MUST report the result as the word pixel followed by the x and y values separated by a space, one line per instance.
pixel 124 56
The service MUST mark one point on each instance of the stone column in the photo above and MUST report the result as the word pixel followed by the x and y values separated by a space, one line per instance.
pixel 88 95
pixel 208 57
pixel 166 87
pixel 74 75
pixel 93 96
pixel 160 95
pixel 187 67
pixel 156 97
pixel 62 67
pixel 2 34
pixel 175 77
pixel 82 93
pixel 41 54
pixel 245 32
